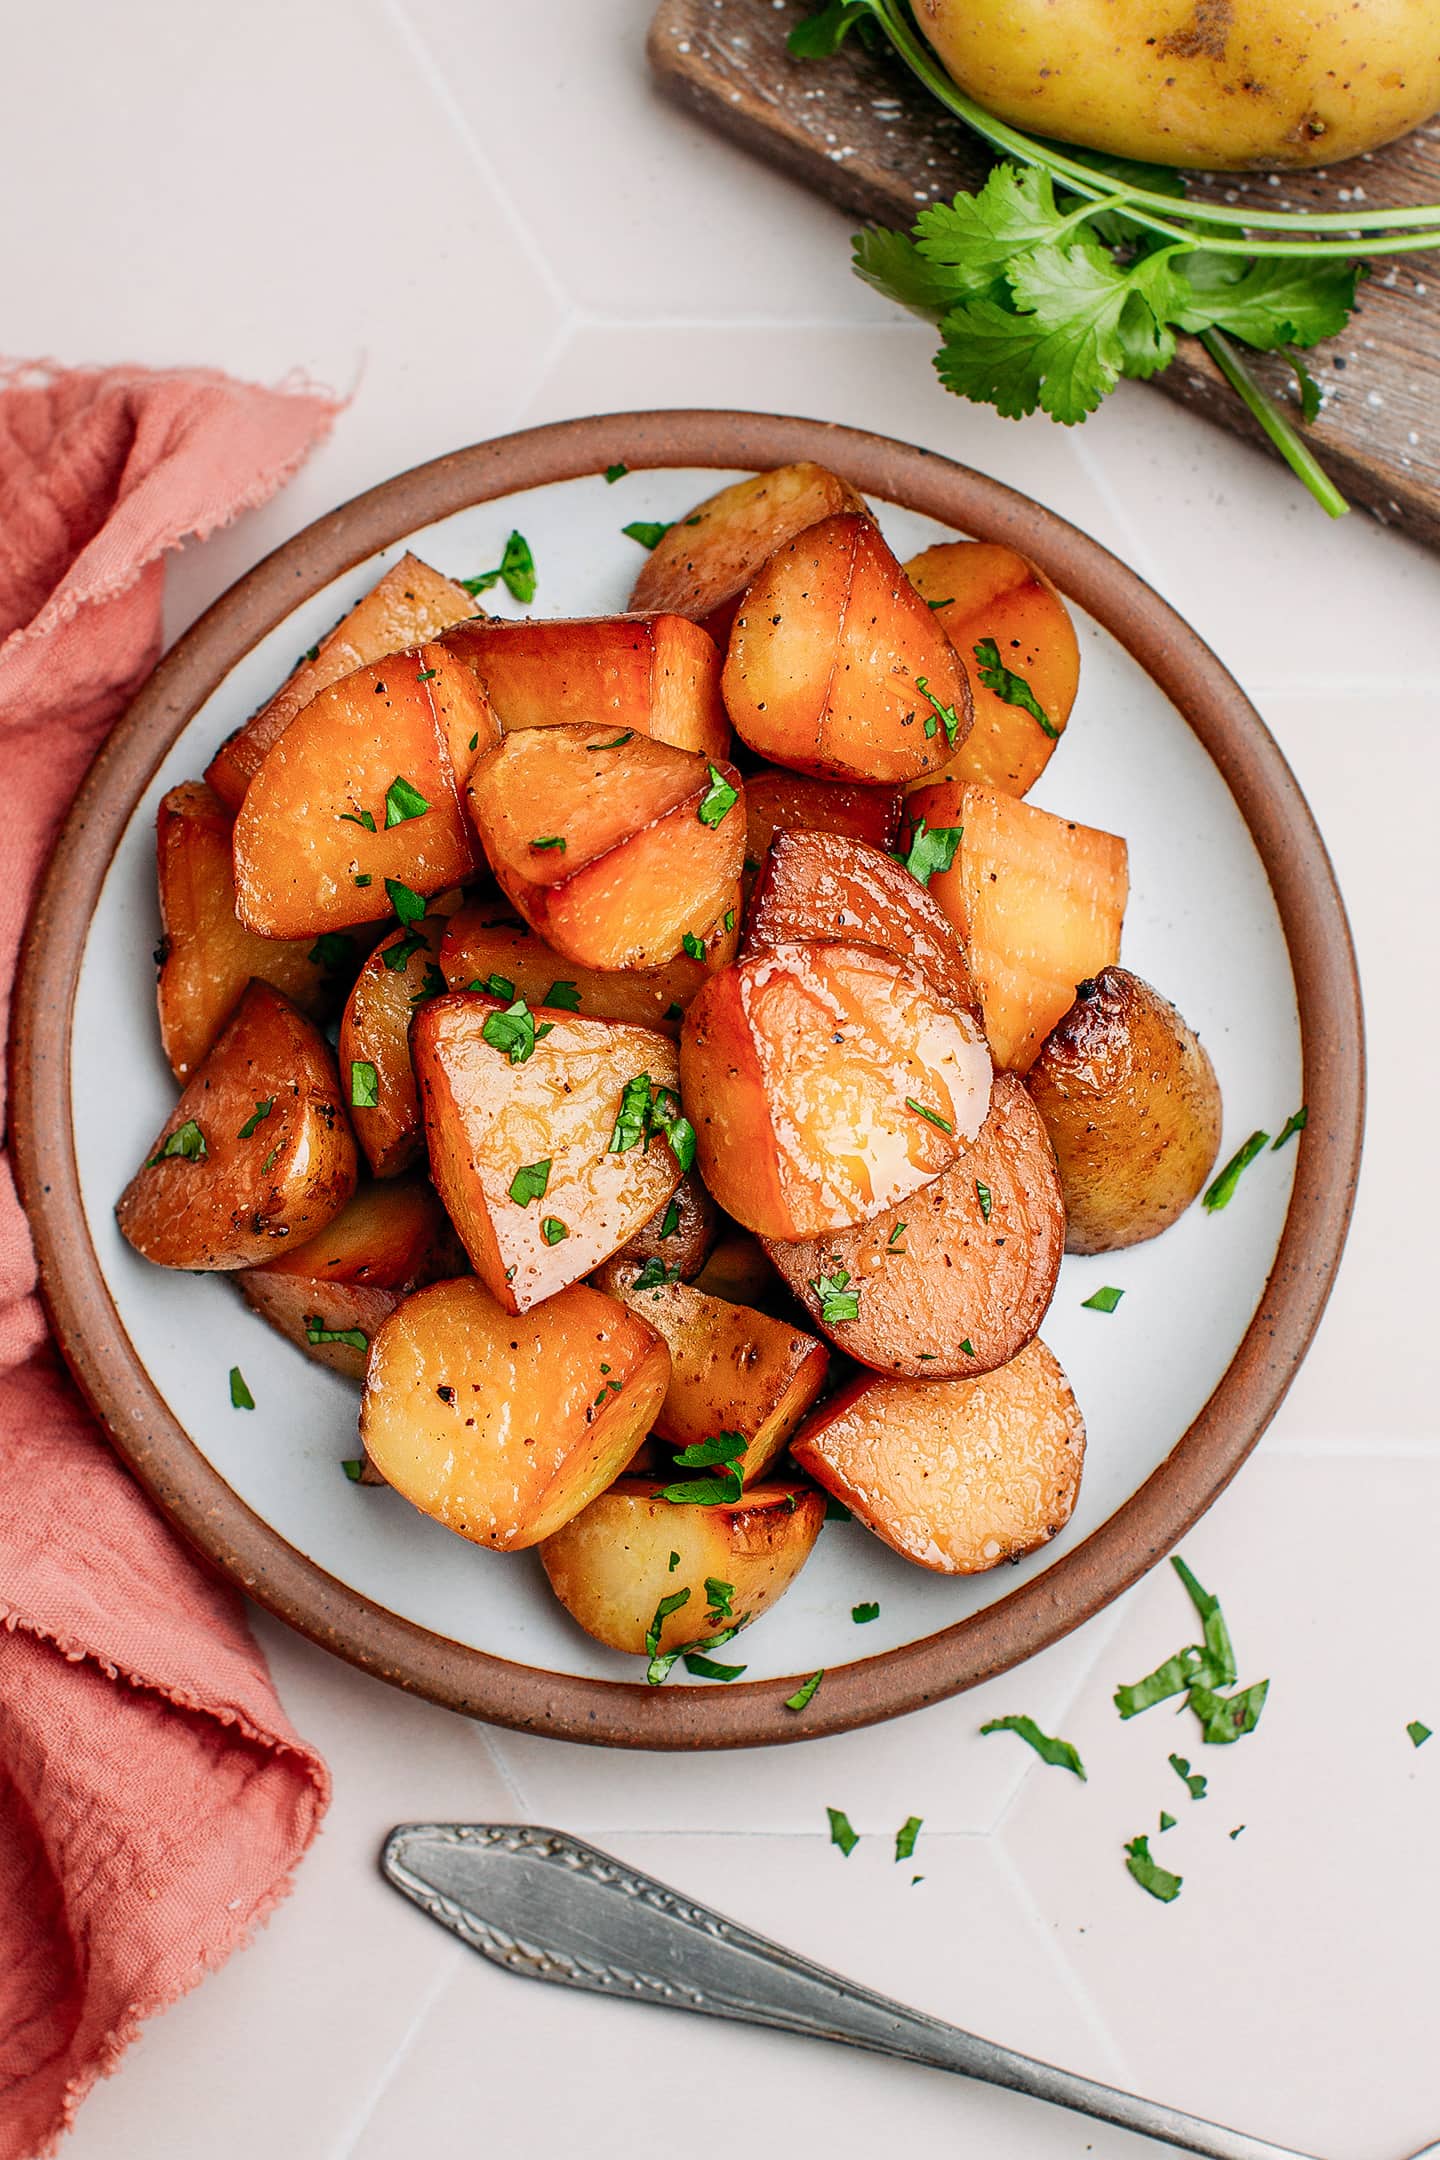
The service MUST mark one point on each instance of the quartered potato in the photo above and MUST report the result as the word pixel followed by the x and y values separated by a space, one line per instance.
pixel 361 791
pixel 375 1068
pixel 777 801
pixel 679 1235
pixel 837 667
pixel 956 1279
pixel 1039 901
pixel 732 1369
pixel 613 849
pixel 479 944
pixel 330 1294
pixel 503 1428
pixel 410 604
pixel 817 885
pixel 611 1566
pixel 208 956
pixel 1132 1106
pixel 705 560
pixel 256 1152
pixel 985 595
pixel 827 1081
pixel 540 1145
pixel 956 1475
pixel 658 674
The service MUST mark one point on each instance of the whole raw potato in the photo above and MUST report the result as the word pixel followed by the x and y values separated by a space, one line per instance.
pixel 1216 83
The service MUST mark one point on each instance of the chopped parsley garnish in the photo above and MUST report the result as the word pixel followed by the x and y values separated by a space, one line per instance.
pixel 967 1347
pixel 311 652
pixel 1293 1124
pixel 514 1031
pixel 729 919
pixel 475 740
pixel 1236 1831
pixel 242 1399
pixel 496 986
pixel 402 801
pixel 892 1243
pixel 1149 1874
pixel 1013 689
pixel 516 567
pixel 645 1110
pixel 860 1614
pixel 694 946
pixel 1224 1718
pixel 1058 1753
pixel 663 1610
pixel 806 1691
pixel 931 849
pixel 332 950
pixel 614 473
pixel 1199 1674
pixel 398 954
pixel 618 743
pixel 553 1230
pixel 717 1598
pixel 1195 1781
pixel 408 905
pixel 837 1302
pixel 674 1563
pixel 432 985
pixel 1419 1733
pixel 269 1163
pixel 654 1275
pixel 668 1120
pixel 564 996
pixel 705 1668
pixel 1176 1676
pixel 905 1837
pixel 982 1194
pixel 1167 1822
pixel 1222 1191
pixel 361 877
pixel 529 1182
pixel 187 1142
pixel 1105 1299
pixel 933 1115
pixel 262 1111
pixel 364 1085
pixel 550 841
pixel 316 1332
pixel 352 1466
pixel 361 818
pixel 946 714
pixel 718 800
pixel 662 1662
pixel 724 1449
pixel 841 1833
pixel 647 533
pixel 427 674
pixel 671 1222
pixel 632 1120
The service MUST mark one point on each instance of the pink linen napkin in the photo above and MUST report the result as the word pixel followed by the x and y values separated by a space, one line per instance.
pixel 153 1796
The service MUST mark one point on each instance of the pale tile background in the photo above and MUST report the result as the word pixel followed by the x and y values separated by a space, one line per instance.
pixel 479 216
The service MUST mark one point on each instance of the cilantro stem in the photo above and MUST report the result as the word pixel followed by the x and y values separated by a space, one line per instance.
pixel 1296 453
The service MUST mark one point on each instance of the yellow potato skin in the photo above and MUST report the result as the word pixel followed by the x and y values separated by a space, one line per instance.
pixel 1223 84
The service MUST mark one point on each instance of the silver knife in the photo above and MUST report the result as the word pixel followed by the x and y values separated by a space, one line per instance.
pixel 544 1905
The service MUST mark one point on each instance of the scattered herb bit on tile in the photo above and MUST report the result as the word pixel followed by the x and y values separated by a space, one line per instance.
pixel 563 996
pixel 1218 1645
pixel 694 946
pixel 718 800
pixel 1236 1831
pixel 1194 1779
pixel 946 714
pixel 837 1301
pixel 933 1115
pixel 905 1837
pixel 862 1614
pixel 671 1221
pixel 240 1395
pixel 931 849
pixel 614 473
pixel 655 1275
pixel 1012 689
pixel 1419 1733
pixel 1224 1718
pixel 530 1182
pixel 1149 1874
pixel 187 1142
pixel 1058 1753
pixel 513 1032
pixel 1104 1300
pixel 648 533
pixel 354 1338
pixel 553 1230
pixel 1221 1192
pixel 1176 1676
pixel 516 567
pixel 705 1668
pixel 332 950
pixel 362 818
pixel 1293 1124
pixel 263 1108
pixel 806 1692
pixel 408 905
pixel 841 1833
pixel 982 1194
pixel 352 1466
pixel 402 801
pixel 1167 1822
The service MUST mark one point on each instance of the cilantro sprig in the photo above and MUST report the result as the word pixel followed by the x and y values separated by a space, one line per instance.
pixel 516 568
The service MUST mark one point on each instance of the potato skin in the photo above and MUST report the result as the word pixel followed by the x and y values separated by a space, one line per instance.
pixel 375 1030
pixel 694 1223
pixel 478 943
pixel 778 801
pixel 942 1271
pixel 1132 1107
pixel 610 1566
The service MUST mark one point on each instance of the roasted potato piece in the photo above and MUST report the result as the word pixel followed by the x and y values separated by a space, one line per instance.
pixel 1132 1107
pixel 658 674
pixel 705 561
pixel 257 1150
pixel 208 957
pixel 956 1475
pixel 360 791
pixel 503 1428
pixel 410 604
pixel 399 975
pixel 475 950
pixel 611 1566
pixel 981 591
pixel 777 801
pixel 613 848
pixel 679 1235
pixel 1039 901
pixel 732 1369
pixel 957 1279
pixel 826 1081
pixel 337 1287
pixel 542 1155
pixel 818 885
pixel 837 667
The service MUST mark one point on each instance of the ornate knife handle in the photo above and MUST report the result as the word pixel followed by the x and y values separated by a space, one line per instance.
pixel 547 1906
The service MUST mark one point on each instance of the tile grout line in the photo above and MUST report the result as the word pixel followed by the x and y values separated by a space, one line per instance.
pixel 1106 1624
pixel 350 2138
pixel 1077 1992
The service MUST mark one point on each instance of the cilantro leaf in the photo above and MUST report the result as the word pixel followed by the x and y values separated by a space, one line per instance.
pixel 398 954
pixel 1282 300
pixel 1149 1874
pixel 352 1467
pixel 725 1447
pixel 808 1689
pixel 977 237
pixel 1294 1124
pixel 408 905
pixel 931 849
pixel 1012 688
pixel 632 1120
pixel 667 1118
pixel 403 802
pixel 333 950
pixel 263 1109
pixel 316 1332
pixel 705 1492
pixel 1058 1753
pixel 1188 1668
pixel 982 1195
pixel 841 1833
pixel 514 1032
pixel 362 818
pixel 705 1668
pixel 717 1598
pixel 837 1301
pixel 563 996
pixel 1224 1718
pixel 516 567
pixel 894 266
pixel 648 534
pixel 906 1835
pixel 860 1614
pixel 242 1399
pixel 1194 1780
pixel 553 1230
pixel 187 1142
pixel 694 946
pixel 663 1610
pixel 1221 1191
pixel 1419 1733
pixel 655 1275
pixel 530 1182
pixel 933 1116
pixel 1104 1300
pixel 718 800
pixel 671 1222
pixel 614 473
pixel 1220 1649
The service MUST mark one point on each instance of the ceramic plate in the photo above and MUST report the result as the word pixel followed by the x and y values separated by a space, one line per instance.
pixel 1233 914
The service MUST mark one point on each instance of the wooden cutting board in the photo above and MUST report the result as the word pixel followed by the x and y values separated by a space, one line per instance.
pixel 859 129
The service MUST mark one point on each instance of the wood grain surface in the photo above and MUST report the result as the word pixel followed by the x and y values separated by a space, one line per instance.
pixel 859 129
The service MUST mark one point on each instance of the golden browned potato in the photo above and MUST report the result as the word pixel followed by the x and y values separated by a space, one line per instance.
pixel 956 1475
pixel 819 885
pixel 826 1082
pixel 778 801
pixel 503 1428
pixel 410 604
pixel 543 1137
pixel 375 1068
pixel 360 793
pixel 658 674
pixel 705 560
pixel 207 956
pixel 479 946
pixel 679 1235
pixel 613 847
pixel 732 1370
pixel 257 1150
pixel 837 667
pixel 956 1279
pixel 1132 1107
pixel 611 1566
pixel 330 1294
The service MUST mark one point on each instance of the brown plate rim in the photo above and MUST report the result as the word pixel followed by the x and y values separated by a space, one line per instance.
pixel 197 1500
